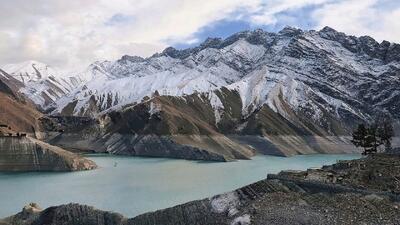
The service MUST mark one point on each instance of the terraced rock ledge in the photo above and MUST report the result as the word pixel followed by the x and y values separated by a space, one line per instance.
pixel 29 154
pixel 363 191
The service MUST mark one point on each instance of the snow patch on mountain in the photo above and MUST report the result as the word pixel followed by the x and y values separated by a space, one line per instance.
pixel 244 50
pixel 133 89
pixel 154 108
pixel 29 71
pixel 217 106
pixel 253 89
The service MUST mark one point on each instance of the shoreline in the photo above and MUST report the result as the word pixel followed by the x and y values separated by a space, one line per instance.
pixel 143 175
pixel 287 185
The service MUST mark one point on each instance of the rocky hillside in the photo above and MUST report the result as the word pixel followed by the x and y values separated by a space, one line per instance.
pixel 344 193
pixel 16 110
pixel 185 127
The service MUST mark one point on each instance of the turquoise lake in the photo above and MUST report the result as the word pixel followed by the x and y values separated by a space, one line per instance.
pixel 132 185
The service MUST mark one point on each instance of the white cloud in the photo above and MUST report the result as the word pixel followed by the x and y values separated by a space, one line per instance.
pixel 267 12
pixel 68 33
pixel 362 17
pixel 75 33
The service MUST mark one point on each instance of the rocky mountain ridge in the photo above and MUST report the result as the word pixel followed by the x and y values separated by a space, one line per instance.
pixel 230 98
pixel 340 69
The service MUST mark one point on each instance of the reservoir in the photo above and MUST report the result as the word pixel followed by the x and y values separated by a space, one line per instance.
pixel 134 185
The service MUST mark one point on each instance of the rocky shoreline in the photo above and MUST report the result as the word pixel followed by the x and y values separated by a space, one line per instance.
pixel 362 191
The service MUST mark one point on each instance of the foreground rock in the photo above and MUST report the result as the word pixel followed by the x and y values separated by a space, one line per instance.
pixel 62 215
pixel 345 193
pixel 29 154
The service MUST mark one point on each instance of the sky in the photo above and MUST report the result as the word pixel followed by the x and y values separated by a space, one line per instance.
pixel 73 34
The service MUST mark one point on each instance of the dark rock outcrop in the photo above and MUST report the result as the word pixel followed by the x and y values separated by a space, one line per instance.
pixel 71 214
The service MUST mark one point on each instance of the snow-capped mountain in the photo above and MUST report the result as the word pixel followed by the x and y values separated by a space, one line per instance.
pixel 271 91
pixel 42 83
pixel 279 93
pixel 312 71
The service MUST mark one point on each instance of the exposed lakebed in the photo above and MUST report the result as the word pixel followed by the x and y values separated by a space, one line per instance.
pixel 133 185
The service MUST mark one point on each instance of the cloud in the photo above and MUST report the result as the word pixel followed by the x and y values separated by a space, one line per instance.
pixel 69 33
pixel 118 19
pixel 377 18
pixel 75 33
pixel 267 12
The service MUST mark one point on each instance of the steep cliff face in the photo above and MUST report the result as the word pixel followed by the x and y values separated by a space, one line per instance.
pixel 28 154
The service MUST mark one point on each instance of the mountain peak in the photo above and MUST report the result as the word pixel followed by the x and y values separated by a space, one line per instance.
pixel 131 58
pixel 328 29
pixel 211 43
pixel 40 82
pixel 23 66
pixel 30 70
pixel 176 53
pixel 290 31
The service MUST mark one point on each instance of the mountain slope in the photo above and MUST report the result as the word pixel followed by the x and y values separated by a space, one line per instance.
pixel 41 83
pixel 15 111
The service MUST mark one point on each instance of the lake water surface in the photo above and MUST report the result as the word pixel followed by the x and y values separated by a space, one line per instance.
pixel 132 185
